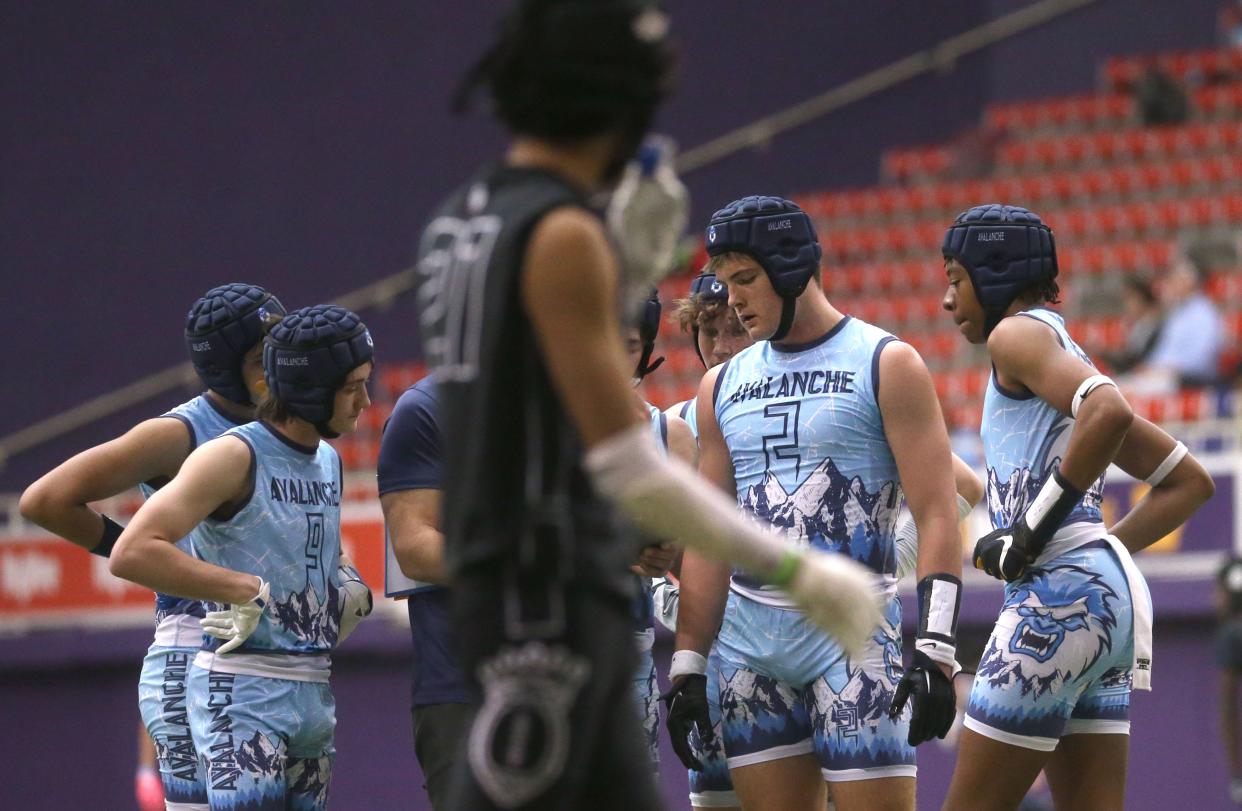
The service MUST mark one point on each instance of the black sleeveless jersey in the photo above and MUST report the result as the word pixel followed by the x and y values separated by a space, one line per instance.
pixel 516 500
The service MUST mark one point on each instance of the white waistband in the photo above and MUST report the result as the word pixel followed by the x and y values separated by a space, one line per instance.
pixel 179 631
pixel 293 667
pixel 1070 537
pixel 885 586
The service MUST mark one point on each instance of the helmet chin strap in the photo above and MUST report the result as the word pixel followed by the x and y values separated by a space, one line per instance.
pixel 788 305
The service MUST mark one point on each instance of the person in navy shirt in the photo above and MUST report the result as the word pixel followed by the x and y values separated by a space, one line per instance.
pixel 409 488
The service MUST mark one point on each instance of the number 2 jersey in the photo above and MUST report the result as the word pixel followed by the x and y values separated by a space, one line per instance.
pixel 803 428
pixel 289 533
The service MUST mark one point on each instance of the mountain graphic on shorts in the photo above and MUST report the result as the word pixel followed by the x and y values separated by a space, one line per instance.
pixel 870 698
pixel 307 780
pixel 755 706
pixel 831 511
pixel 258 756
pixel 309 620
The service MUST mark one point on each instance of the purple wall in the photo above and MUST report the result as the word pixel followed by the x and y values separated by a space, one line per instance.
pixel 80 726
pixel 157 149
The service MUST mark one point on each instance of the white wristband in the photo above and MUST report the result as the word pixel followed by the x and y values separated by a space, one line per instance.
pixel 942 653
pixel 687 663
pixel 1086 387
pixel 1166 467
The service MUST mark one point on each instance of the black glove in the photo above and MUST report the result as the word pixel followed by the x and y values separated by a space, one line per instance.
pixel 1005 553
pixel 934 703
pixel 687 710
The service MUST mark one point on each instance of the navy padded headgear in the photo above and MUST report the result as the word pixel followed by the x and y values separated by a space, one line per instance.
pixel 708 288
pixel 648 323
pixel 705 287
pixel 781 238
pixel 1004 249
pixel 308 355
pixel 221 328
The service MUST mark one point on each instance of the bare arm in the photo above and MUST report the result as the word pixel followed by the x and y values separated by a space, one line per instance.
pixel 916 433
pixel 705 582
pixel 412 518
pixel 146 554
pixel 58 501
pixel 966 482
pixel 1173 500
pixel 1027 355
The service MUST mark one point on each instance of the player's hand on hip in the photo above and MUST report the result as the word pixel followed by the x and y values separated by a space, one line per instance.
pixel 933 701
pixel 236 623
pixel 687 712
pixel 1003 553
pixel 839 596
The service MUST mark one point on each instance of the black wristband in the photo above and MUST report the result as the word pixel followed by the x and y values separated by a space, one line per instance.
pixel 112 531
pixel 940 602
pixel 1048 511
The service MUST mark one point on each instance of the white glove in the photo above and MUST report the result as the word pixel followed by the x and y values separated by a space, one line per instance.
pixel 838 595
pixel 237 622
pixel 355 600
pixel 648 215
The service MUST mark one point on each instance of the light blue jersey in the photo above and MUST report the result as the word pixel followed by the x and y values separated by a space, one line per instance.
pixel 288 533
pixel 803 428
pixel 688 411
pixel 176 617
pixel 1024 439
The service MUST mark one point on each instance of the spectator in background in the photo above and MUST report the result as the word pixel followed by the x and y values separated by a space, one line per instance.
pixel 1229 659
pixel 1188 349
pixel 1229 24
pixel 1142 314
pixel 1160 99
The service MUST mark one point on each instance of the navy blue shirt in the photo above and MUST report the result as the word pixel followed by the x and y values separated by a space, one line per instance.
pixel 409 459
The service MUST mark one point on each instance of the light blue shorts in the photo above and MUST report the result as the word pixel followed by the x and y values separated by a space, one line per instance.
pixel 266 743
pixel 647 696
pixel 787 689
pixel 164 705
pixel 712 787
pixel 1060 660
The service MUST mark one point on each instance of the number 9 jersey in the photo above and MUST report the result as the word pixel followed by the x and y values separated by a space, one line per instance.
pixel 288 533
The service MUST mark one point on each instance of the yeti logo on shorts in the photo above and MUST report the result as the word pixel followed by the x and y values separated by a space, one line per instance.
pixel 520 740
pixel 1064 626
pixel 1059 660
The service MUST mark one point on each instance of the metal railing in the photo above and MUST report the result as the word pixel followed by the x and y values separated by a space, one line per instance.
pixel 940 57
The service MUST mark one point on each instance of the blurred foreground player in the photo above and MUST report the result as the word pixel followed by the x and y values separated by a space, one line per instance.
pixel 519 308
pixel 224 335
pixel 1052 690
pixel 265 498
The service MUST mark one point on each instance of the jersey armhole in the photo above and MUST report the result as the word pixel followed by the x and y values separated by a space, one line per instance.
pixel 229 510
pixel 664 429
pixel 724 367
pixel 686 406
pixel 875 366
pixel 1055 331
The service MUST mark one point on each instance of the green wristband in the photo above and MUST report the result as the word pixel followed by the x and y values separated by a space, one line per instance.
pixel 785 569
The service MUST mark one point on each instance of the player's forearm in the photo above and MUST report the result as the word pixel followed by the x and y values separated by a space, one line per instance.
pixel 701 604
pixel 1165 508
pixel 157 564
pixel 420 554
pixel 940 547
pixel 75 522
